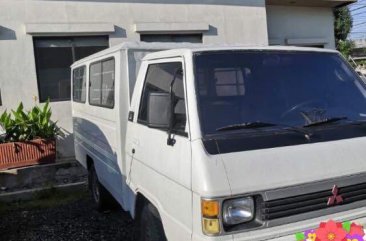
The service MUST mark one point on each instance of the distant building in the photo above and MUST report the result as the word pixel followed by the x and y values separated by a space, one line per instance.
pixel 359 51
pixel 39 40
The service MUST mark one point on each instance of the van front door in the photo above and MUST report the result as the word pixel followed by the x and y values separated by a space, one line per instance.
pixel 159 170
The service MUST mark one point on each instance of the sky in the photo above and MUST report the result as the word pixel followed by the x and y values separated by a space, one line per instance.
pixel 358 11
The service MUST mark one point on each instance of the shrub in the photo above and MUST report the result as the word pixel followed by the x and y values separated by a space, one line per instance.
pixel 2 133
pixel 20 125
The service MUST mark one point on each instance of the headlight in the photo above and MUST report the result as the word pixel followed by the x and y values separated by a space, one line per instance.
pixel 238 211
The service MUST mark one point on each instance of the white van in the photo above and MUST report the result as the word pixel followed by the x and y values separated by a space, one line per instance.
pixel 222 143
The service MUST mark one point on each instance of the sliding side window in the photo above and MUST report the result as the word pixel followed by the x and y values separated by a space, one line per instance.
pixel 79 85
pixel 102 82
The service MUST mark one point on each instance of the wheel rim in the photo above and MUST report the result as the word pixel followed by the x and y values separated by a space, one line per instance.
pixel 96 193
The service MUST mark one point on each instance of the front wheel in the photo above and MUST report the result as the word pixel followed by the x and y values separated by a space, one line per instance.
pixel 150 227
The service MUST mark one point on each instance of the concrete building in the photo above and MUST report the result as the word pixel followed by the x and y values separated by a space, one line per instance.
pixel 359 50
pixel 39 39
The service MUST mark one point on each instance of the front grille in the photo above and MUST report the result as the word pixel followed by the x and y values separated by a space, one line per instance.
pixel 290 206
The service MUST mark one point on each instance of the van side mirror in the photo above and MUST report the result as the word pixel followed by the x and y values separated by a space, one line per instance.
pixel 159 110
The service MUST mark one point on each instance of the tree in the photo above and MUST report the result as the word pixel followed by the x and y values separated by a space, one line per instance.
pixel 343 23
pixel 345 47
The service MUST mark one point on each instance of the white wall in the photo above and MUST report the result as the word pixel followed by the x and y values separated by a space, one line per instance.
pixel 300 24
pixel 231 21
pixel 248 22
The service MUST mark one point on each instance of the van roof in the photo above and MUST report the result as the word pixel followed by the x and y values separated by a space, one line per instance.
pixel 136 45
pixel 179 49
pixel 183 51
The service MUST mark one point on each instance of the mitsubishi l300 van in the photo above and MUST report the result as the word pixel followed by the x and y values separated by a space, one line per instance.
pixel 222 143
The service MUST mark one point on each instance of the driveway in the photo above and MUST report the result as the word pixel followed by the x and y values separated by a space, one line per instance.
pixel 64 220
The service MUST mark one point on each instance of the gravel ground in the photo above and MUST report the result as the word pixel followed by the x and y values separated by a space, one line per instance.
pixel 72 221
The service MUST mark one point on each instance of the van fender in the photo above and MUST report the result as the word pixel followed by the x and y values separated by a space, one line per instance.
pixel 139 191
pixel 151 199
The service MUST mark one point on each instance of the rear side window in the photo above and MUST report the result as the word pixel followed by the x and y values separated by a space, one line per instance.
pixel 102 80
pixel 158 79
pixel 79 84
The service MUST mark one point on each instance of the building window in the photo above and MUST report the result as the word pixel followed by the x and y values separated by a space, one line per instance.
pixel 175 38
pixel 54 56
pixel 101 91
pixel 320 46
pixel 158 79
pixel 79 84
pixel 229 81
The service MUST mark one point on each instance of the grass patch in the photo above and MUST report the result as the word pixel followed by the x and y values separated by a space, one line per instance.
pixel 44 199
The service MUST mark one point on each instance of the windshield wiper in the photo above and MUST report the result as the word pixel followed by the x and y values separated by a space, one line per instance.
pixel 259 124
pixel 247 125
pixel 326 121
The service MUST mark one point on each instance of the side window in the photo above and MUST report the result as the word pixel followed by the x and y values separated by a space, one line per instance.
pixel 102 79
pixel 79 85
pixel 158 79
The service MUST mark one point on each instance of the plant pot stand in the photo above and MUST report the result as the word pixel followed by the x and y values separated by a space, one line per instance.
pixel 27 153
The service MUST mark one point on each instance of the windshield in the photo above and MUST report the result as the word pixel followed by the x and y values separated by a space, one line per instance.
pixel 288 88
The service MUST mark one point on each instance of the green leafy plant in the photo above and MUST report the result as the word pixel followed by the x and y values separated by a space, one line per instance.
pixel 8 124
pixel 343 23
pixel 2 134
pixel 21 125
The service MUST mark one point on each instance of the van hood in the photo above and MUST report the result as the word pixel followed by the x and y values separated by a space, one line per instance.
pixel 268 169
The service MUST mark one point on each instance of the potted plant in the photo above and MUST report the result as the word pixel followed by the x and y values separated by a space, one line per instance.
pixel 28 138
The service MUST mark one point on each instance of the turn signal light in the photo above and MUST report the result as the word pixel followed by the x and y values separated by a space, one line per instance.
pixel 210 209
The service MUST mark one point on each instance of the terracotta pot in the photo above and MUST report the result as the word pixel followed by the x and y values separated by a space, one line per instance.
pixel 20 154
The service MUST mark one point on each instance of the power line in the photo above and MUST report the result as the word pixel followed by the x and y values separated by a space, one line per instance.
pixel 357 3
pixel 354 7
pixel 360 2
pixel 358 13
pixel 359 24
pixel 352 10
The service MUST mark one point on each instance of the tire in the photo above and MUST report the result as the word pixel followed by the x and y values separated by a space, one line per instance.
pixel 103 200
pixel 150 227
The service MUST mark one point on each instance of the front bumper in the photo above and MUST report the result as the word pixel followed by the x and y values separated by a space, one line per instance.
pixel 288 231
